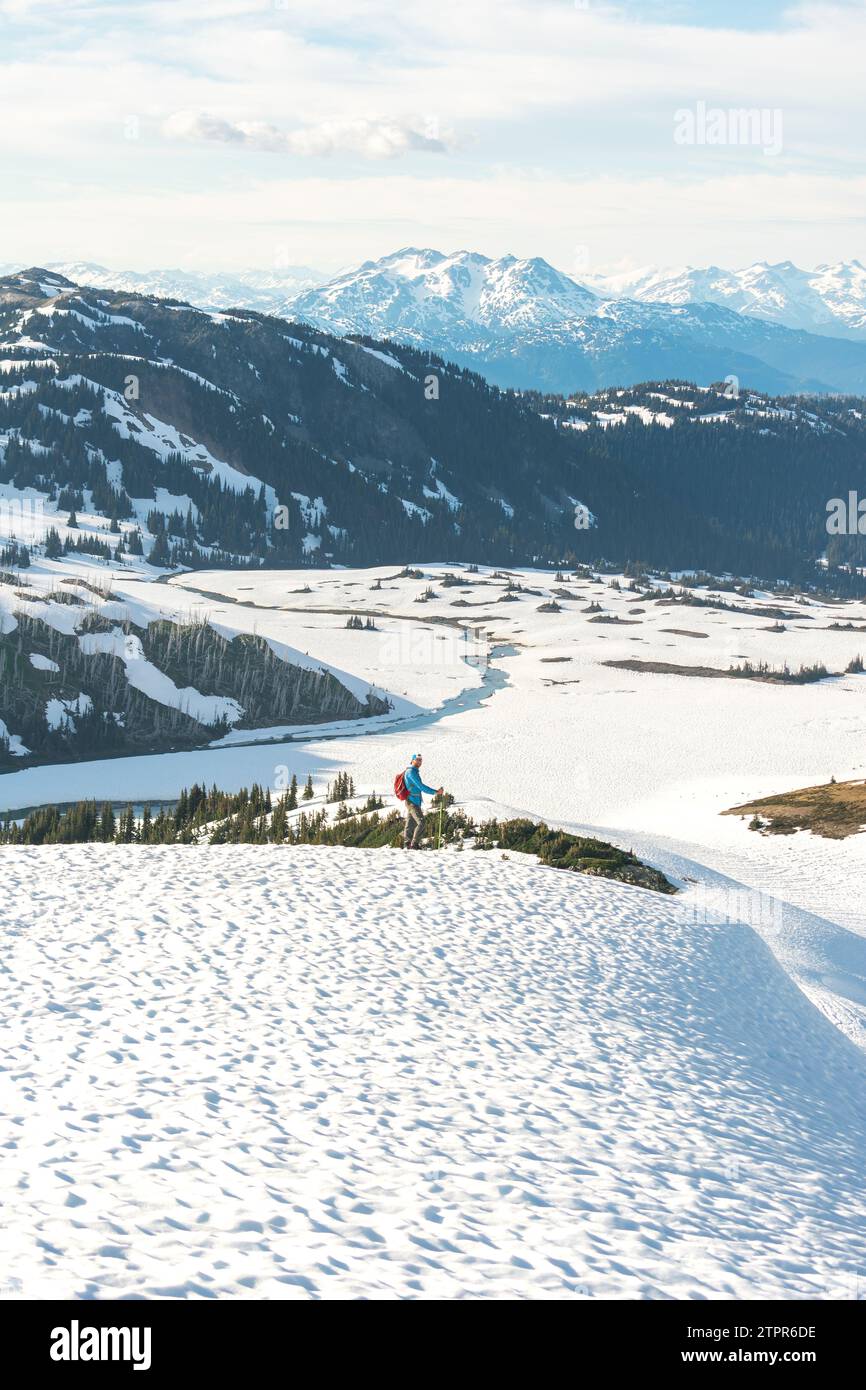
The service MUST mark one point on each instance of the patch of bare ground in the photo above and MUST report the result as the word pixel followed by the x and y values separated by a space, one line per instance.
pixel 783 676
pixel 612 618
pixel 834 811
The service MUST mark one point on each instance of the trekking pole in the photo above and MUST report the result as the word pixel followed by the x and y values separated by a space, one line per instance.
pixel 441 812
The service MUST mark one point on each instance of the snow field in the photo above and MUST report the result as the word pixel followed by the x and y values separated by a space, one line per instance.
pixel 318 1072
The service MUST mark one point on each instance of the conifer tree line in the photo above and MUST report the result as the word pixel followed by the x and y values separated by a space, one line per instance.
pixel 251 816
pixel 115 717
pixel 87 821
pixel 15 556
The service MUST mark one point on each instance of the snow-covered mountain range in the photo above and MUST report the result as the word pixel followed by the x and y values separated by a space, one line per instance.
pixel 830 299
pixel 466 295
pixel 199 437
pixel 522 323
pixel 271 291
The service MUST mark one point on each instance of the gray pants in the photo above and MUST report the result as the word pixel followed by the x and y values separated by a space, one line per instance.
pixel 414 825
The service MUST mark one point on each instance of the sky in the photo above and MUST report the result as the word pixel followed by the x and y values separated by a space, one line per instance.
pixel 223 134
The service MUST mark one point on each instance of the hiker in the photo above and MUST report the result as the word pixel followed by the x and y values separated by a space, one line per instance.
pixel 413 789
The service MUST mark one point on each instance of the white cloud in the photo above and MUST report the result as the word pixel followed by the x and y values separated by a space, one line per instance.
pixel 372 139
pixel 134 130
pixel 341 221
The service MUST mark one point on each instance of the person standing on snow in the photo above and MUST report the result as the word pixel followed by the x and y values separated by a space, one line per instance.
pixel 414 814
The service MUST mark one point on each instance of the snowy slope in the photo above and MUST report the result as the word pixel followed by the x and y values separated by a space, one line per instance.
pixel 297 1074
pixel 71 596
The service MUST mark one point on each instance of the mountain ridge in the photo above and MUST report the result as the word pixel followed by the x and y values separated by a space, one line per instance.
pixel 522 323
pixel 829 300
pixel 232 438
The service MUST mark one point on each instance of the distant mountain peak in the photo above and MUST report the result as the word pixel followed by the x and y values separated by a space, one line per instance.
pixel 447 301
pixel 522 322
pixel 829 300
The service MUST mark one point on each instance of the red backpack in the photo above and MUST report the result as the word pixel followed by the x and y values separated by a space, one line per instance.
pixel 401 791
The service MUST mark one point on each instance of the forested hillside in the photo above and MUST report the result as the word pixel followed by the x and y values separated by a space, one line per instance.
pixel 234 438
pixel 109 686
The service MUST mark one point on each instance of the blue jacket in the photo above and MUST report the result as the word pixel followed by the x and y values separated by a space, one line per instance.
pixel 412 778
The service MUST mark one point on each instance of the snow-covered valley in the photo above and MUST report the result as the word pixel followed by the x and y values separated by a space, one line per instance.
pixel 518 707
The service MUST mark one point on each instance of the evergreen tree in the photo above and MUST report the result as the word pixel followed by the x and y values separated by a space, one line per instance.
pixel 160 555
pixel 279 823
pixel 108 827
pixel 126 827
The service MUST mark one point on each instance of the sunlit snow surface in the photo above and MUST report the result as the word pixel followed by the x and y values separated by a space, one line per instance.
pixel 255 1071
